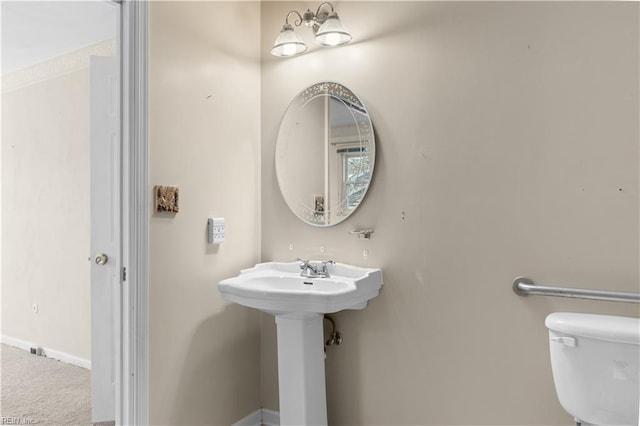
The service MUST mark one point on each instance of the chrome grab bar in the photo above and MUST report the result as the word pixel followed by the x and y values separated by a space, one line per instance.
pixel 525 286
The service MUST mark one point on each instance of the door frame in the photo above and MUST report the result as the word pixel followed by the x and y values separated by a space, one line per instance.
pixel 132 345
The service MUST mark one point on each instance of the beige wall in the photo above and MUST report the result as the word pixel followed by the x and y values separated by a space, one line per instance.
pixel 205 138
pixel 507 137
pixel 45 210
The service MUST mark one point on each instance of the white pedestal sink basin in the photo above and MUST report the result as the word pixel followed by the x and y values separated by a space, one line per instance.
pixel 299 304
pixel 278 288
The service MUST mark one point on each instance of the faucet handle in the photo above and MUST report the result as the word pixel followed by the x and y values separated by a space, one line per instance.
pixel 324 266
pixel 303 262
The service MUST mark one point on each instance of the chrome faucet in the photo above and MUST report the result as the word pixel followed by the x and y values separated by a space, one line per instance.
pixel 314 270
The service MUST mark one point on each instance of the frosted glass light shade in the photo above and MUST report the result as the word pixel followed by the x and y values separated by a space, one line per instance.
pixel 332 33
pixel 288 43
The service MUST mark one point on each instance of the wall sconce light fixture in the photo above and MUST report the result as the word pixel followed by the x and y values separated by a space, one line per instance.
pixel 325 25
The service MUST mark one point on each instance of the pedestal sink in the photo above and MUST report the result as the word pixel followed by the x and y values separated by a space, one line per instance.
pixel 299 304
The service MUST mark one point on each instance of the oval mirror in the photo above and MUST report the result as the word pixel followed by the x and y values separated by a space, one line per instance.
pixel 325 153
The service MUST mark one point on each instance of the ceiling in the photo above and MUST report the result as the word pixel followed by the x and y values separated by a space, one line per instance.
pixel 35 31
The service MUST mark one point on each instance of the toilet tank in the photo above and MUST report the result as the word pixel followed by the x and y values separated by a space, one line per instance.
pixel 594 359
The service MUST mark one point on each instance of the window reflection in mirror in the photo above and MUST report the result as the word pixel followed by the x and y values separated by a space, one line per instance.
pixel 349 161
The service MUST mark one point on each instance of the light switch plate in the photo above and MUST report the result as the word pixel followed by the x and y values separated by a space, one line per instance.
pixel 215 230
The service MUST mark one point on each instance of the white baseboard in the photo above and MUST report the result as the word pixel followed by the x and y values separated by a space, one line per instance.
pixel 261 417
pixel 253 419
pixel 270 417
pixel 48 352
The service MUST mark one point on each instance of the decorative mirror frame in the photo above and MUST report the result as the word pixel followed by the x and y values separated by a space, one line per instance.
pixel 311 214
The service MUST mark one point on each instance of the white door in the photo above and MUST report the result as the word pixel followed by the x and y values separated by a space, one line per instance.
pixel 106 262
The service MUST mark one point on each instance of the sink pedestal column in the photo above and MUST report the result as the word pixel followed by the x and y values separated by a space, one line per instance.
pixel 301 369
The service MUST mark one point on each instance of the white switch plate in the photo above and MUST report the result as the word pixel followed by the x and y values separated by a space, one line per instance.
pixel 215 230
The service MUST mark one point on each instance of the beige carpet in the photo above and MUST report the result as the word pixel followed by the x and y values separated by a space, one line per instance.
pixel 39 390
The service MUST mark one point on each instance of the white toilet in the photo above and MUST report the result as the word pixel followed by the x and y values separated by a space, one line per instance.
pixel 594 359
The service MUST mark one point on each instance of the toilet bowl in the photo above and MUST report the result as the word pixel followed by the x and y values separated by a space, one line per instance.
pixel 594 360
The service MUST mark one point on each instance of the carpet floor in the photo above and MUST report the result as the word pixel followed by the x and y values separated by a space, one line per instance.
pixel 40 390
